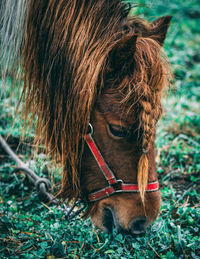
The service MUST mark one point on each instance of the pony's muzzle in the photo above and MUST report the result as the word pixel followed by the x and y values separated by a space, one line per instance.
pixel 126 213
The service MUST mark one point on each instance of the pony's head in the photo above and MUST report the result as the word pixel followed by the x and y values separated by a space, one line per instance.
pixel 86 62
pixel 124 125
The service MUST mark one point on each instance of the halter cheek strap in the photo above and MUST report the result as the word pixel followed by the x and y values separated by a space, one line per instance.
pixel 115 185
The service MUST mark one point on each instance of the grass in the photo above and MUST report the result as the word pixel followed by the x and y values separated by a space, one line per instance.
pixel 29 229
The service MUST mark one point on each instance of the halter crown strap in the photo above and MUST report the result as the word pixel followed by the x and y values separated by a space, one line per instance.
pixel 115 185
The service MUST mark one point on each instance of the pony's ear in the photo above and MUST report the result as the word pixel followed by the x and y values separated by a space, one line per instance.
pixel 122 54
pixel 159 29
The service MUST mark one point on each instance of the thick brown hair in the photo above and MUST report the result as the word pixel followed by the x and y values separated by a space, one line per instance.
pixel 66 47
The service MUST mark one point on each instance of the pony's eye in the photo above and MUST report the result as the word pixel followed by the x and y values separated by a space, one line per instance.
pixel 118 131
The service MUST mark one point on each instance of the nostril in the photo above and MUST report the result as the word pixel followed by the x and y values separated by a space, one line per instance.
pixel 108 221
pixel 138 225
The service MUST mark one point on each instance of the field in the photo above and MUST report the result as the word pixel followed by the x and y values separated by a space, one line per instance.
pixel 31 229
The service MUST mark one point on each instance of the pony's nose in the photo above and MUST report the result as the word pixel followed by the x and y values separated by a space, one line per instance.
pixel 138 226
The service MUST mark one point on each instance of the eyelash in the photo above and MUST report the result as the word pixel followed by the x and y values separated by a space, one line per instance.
pixel 118 131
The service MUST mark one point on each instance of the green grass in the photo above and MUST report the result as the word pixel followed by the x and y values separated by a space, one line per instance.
pixel 28 229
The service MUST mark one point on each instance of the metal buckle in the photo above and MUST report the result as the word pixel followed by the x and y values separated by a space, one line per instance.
pixel 117 186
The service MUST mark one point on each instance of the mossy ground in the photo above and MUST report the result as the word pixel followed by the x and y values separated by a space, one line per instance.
pixel 29 229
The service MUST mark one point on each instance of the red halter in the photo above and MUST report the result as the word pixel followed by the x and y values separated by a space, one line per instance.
pixel 115 185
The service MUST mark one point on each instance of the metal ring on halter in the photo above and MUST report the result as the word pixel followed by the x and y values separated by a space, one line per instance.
pixel 117 185
pixel 91 129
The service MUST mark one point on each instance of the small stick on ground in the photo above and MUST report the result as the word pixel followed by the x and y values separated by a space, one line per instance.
pixel 98 239
pixel 154 250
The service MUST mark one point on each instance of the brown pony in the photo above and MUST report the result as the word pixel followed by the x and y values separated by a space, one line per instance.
pixel 86 61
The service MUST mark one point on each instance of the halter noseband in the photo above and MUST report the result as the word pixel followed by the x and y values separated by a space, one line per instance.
pixel 115 185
